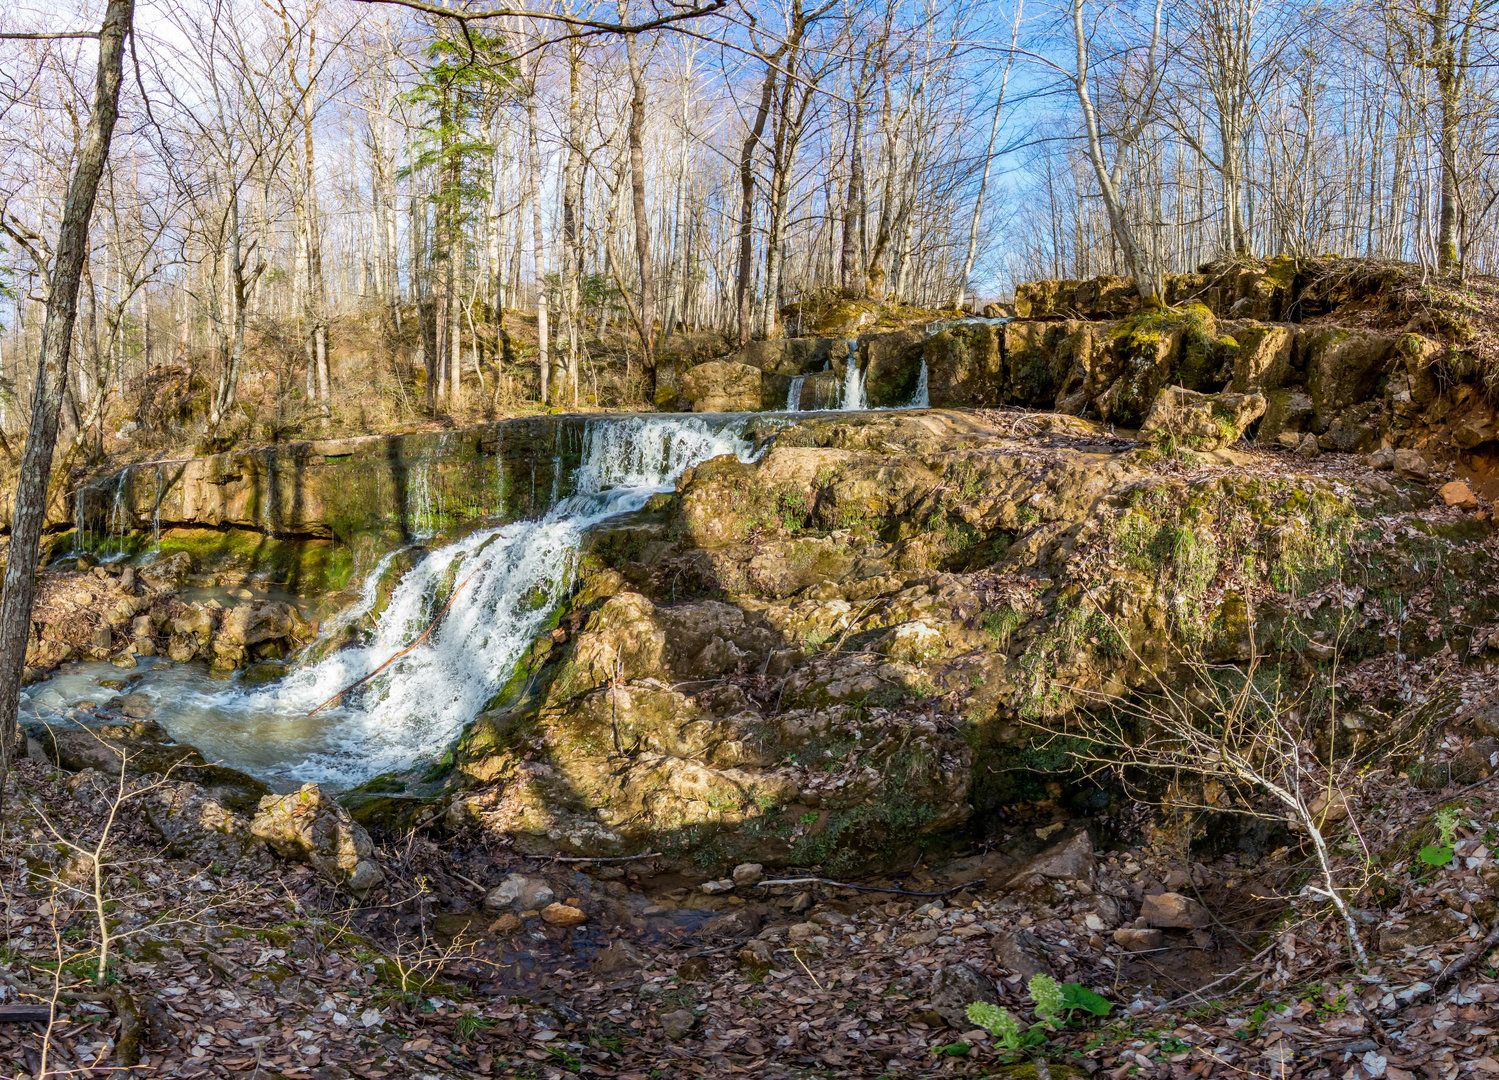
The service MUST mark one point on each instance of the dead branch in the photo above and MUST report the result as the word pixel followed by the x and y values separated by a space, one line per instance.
pixel 864 888
pixel 357 683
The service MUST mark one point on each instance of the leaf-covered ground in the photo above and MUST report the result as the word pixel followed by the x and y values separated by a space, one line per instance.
pixel 250 966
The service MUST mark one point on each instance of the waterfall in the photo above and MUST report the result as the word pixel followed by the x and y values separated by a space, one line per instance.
pixel 922 398
pixel 421 509
pixel 508 580
pixel 369 592
pixel 118 522
pixel 794 395
pixel 159 494
pixel 853 380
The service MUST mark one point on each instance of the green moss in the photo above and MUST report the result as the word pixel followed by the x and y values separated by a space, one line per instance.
pixel 1002 622
pixel 304 566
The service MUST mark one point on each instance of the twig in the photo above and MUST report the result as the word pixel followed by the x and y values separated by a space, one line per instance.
pixel 356 684
pixel 601 858
pixel 805 968
pixel 863 888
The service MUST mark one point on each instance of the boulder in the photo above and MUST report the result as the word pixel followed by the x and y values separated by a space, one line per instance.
pixel 1070 860
pixel 251 624
pixel 1022 953
pixel 517 892
pixel 310 827
pixel 1345 367
pixel 1173 911
pixel 1458 494
pixel 194 824
pixel 1263 356
pixel 1412 464
pixel 1201 421
pixel 722 386
pixel 954 988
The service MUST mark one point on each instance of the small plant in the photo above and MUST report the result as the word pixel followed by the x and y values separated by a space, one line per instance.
pixel 1001 1023
pixel 1440 854
pixel 1054 1004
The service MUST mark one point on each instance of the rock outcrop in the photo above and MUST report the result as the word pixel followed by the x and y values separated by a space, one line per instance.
pixel 855 644
pixel 310 827
pixel 119 613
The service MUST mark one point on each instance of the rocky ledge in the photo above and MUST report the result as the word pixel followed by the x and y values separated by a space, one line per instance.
pixel 874 637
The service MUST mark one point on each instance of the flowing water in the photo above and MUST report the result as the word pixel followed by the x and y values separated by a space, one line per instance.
pixel 794 393
pixel 922 398
pixel 854 397
pixel 504 581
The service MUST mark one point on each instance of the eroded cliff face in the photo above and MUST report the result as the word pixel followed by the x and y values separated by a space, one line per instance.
pixel 1351 357
pixel 880 629
pixel 313 517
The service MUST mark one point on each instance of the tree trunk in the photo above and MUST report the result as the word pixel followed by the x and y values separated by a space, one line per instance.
pixel 52 371
pixel 851 263
pixel 572 223
pixel 1449 74
pixel 743 281
pixel 642 219
pixel 539 248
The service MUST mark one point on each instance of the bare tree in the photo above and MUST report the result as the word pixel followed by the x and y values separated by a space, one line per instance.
pixel 52 369
pixel 1136 109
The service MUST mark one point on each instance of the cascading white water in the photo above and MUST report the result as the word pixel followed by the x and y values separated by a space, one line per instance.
pixel 922 398
pixel 508 579
pixel 794 394
pixel 853 380
pixel 369 592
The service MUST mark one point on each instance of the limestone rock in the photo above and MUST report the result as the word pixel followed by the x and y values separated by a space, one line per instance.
pixel 517 892
pixel 1412 464
pixel 956 986
pixel 564 915
pixel 718 887
pixel 1022 953
pixel 1201 421
pixel 1133 939
pixel 619 957
pixel 722 386
pixel 137 706
pixel 251 624
pixel 1344 367
pixel 748 873
pixel 678 1024
pixel 144 748
pixel 194 824
pixel 1070 860
pixel 1173 911
pixel 1458 494
pixel 310 827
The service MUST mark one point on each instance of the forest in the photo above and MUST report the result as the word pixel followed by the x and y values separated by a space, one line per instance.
pixel 777 538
